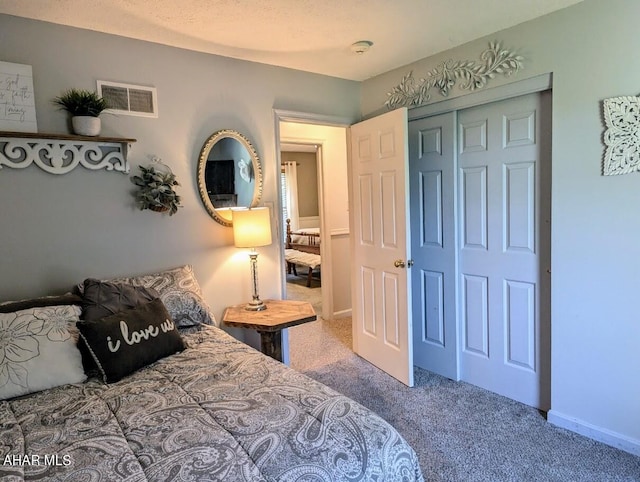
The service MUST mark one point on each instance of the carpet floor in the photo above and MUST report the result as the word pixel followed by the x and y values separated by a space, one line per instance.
pixel 297 290
pixel 460 432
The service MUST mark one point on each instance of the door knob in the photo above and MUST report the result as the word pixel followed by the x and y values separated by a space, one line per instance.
pixel 398 263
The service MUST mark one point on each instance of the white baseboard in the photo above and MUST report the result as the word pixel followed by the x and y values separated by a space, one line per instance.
pixel 342 313
pixel 600 434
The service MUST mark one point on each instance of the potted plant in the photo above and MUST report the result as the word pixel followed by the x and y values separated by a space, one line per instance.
pixel 85 107
pixel 157 190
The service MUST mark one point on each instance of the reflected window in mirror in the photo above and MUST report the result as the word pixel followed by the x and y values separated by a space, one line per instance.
pixel 229 175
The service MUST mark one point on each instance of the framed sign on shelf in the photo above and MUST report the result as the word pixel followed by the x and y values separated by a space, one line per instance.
pixel 17 99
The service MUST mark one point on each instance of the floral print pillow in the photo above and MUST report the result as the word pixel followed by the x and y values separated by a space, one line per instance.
pixel 38 350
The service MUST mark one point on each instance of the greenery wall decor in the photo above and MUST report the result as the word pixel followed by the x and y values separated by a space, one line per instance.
pixel 157 189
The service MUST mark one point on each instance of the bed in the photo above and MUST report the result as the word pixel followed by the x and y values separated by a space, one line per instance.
pixel 302 249
pixel 214 409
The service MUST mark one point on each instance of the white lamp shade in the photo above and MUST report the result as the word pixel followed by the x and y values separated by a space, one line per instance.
pixel 251 227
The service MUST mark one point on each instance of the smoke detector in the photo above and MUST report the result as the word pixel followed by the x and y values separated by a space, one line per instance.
pixel 361 46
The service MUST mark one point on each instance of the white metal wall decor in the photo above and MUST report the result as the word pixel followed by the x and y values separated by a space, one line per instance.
pixel 474 75
pixel 62 155
pixel 622 137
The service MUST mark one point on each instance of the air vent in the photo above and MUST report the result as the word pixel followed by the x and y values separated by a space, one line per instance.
pixel 129 99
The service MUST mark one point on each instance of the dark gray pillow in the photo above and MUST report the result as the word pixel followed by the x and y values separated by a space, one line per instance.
pixel 102 298
pixel 127 341
pixel 58 300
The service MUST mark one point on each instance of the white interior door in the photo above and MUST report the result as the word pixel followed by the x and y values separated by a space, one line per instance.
pixel 504 251
pixel 379 223
pixel 432 171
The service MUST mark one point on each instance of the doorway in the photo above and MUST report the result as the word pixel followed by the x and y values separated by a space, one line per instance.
pixel 301 217
pixel 329 135
pixel 333 208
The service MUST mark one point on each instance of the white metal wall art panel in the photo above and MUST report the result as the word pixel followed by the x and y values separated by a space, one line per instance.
pixel 519 129
pixel 430 142
pixel 474 207
pixel 365 183
pixel 389 219
pixel 364 149
pixel 390 297
pixel 433 307
pixel 519 205
pixel 387 144
pixel 473 137
pixel 431 204
pixel 475 312
pixel 520 323
pixel 368 301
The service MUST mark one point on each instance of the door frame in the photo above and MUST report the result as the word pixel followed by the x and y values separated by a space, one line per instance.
pixel 322 120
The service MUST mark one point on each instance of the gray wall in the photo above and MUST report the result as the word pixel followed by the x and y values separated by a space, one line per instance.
pixel 57 230
pixel 591 49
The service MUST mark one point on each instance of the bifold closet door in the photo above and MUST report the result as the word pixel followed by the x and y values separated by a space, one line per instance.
pixel 503 233
pixel 433 247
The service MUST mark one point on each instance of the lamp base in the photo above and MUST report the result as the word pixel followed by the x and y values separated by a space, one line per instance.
pixel 256 305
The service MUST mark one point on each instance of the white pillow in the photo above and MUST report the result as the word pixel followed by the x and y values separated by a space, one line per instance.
pixel 38 350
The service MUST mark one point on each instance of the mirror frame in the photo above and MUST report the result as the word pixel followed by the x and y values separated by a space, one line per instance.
pixel 202 161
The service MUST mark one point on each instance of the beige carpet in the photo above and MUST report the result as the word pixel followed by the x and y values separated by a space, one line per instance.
pixel 319 343
pixel 297 290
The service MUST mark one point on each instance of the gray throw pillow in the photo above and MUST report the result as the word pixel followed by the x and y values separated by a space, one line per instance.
pixel 102 298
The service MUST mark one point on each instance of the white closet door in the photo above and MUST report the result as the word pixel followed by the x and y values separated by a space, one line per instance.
pixel 503 216
pixel 432 172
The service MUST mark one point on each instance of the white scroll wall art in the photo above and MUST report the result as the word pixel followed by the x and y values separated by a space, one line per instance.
pixel 622 137
pixel 60 156
pixel 473 74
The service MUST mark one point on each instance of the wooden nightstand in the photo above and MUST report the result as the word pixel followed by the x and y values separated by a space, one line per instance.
pixel 280 314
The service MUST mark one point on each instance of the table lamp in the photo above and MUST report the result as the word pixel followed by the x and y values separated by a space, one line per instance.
pixel 252 228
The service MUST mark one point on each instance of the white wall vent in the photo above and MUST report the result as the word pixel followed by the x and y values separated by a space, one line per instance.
pixel 129 99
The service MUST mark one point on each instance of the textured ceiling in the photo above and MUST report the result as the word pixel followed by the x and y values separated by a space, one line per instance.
pixel 309 35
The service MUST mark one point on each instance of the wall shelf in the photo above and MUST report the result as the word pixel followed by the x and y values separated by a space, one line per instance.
pixel 61 153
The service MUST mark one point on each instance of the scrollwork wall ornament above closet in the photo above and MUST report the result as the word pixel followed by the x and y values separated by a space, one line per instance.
pixel 474 75
pixel 622 136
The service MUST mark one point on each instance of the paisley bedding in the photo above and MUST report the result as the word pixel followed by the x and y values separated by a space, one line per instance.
pixel 217 411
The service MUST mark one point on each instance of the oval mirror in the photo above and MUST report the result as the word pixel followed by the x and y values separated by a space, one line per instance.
pixel 229 174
